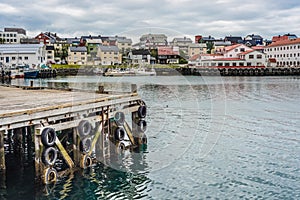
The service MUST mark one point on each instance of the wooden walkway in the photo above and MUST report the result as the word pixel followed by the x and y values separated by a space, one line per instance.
pixel 48 116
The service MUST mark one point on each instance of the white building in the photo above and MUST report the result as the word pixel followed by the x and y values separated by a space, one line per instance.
pixel 21 54
pixel 235 56
pixel 285 53
pixel 12 35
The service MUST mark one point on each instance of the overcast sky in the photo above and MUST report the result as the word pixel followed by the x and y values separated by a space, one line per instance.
pixel 132 18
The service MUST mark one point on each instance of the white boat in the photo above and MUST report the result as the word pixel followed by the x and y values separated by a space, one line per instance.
pixel 120 72
pixel 141 71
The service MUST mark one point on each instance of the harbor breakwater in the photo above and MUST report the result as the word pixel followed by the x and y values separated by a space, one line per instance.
pixel 244 71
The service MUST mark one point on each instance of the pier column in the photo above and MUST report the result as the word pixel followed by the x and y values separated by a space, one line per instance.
pixel 18 141
pixel 2 153
pixel 76 147
pixel 37 156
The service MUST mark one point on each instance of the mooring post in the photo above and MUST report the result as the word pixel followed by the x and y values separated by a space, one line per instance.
pixel 18 141
pixel 2 153
pixel 133 88
pixel 37 156
pixel 76 147
pixel 134 126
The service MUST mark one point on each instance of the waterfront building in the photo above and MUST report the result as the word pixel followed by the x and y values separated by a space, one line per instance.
pixel 139 56
pixel 235 55
pixel 195 49
pixel 168 55
pixel 182 43
pixel 285 52
pixel 47 38
pixel 109 55
pixel 152 41
pixel 21 54
pixel 124 44
pixel 253 40
pixel 284 37
pixel 12 35
pixel 49 54
pixel 77 55
pixel 234 39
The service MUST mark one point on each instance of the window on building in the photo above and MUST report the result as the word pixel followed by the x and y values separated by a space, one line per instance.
pixel 248 63
pixel 242 49
pixel 220 64
pixel 251 56
pixel 259 56
pixel 82 53
pixel 82 58
pixel 26 58
pixel 13 58
pixel 291 55
pixel 226 64
pixel 15 40
pixel 241 64
pixel 234 64
pixel 20 58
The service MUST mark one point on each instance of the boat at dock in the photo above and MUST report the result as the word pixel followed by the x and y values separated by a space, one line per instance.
pixel 31 73
pixel 120 72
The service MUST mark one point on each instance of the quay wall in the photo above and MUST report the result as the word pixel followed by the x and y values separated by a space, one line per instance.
pixel 276 71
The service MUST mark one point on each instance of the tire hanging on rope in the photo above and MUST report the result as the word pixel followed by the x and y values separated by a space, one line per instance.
pixel 50 176
pixel 48 137
pixel 120 134
pixel 142 111
pixel 120 118
pixel 86 144
pixel 86 161
pixel 49 156
pixel 84 128
pixel 142 125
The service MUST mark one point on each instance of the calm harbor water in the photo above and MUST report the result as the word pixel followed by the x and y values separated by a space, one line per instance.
pixel 208 137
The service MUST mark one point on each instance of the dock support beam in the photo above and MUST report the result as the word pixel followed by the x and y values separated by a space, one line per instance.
pixel 2 153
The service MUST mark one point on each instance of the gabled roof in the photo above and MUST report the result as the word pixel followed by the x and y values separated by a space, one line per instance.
pixel 78 49
pixel 166 51
pixel 229 48
pixel 194 57
pixel 246 52
pixel 233 39
pixel 109 48
pixel 284 42
pixel 140 52
pixel 184 39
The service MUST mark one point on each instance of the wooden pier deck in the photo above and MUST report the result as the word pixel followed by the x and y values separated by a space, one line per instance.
pixel 93 123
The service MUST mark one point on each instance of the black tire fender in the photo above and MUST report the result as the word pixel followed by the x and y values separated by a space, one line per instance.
pixel 86 161
pixel 142 111
pixel 86 144
pixel 84 128
pixel 120 118
pixel 142 125
pixel 119 134
pixel 49 156
pixel 50 176
pixel 48 137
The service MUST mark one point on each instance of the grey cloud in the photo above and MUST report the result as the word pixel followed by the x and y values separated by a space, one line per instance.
pixel 189 17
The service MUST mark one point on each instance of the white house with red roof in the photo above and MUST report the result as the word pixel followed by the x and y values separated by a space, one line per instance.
pixel 238 55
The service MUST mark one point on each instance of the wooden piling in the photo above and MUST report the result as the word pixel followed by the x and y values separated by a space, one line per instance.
pixel 2 153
